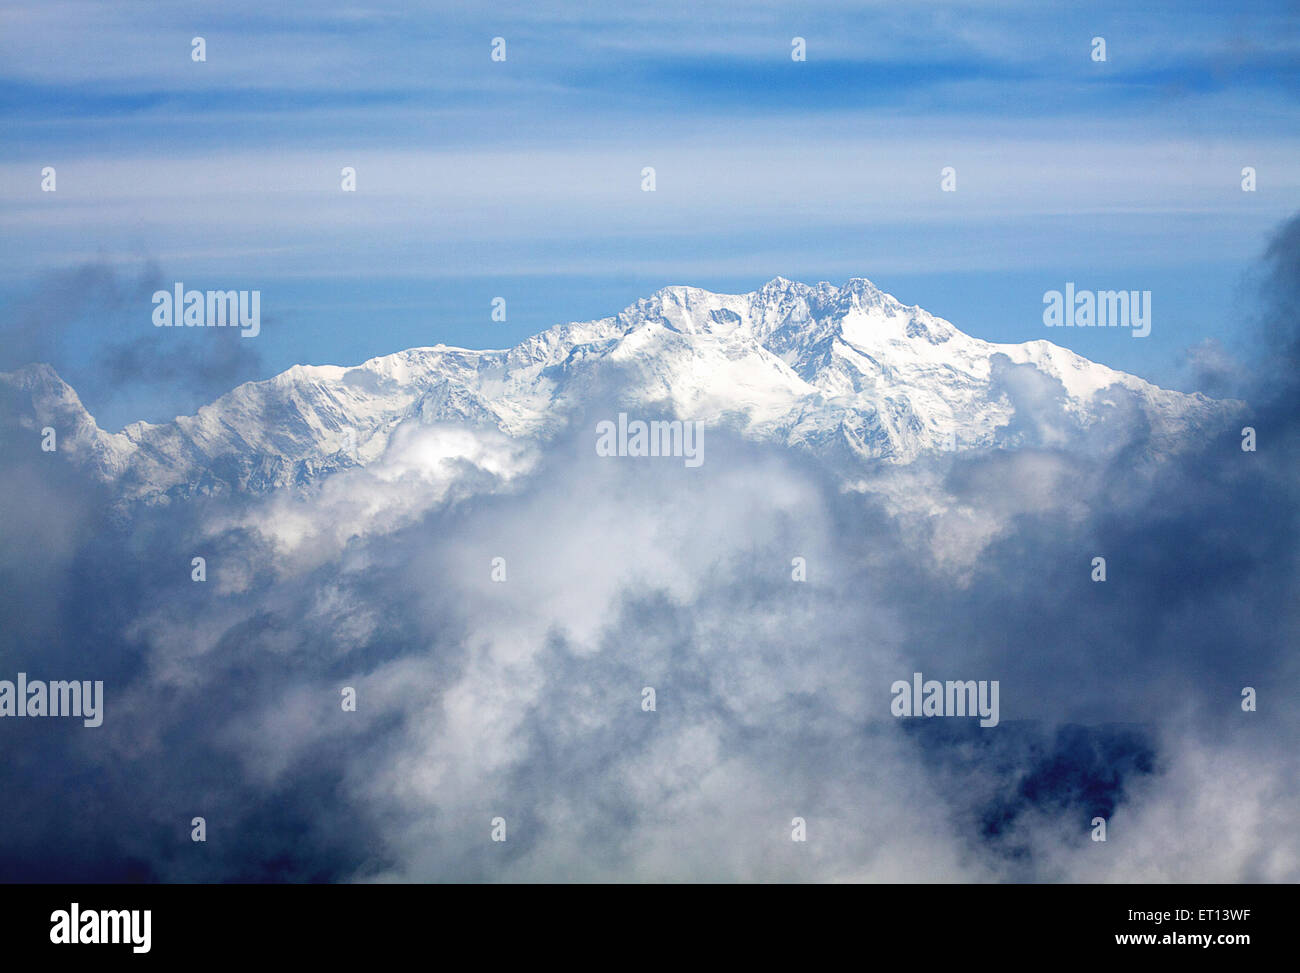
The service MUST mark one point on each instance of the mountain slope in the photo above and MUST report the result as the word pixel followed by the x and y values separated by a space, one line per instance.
pixel 847 372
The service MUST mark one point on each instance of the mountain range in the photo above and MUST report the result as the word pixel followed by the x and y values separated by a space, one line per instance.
pixel 848 373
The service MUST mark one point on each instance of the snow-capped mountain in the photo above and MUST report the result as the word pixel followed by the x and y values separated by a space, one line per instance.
pixel 846 372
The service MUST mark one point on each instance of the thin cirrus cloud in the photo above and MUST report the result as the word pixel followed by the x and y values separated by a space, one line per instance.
pixel 553 195
pixel 550 144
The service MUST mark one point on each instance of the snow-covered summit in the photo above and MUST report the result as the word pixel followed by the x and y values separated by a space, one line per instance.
pixel 845 371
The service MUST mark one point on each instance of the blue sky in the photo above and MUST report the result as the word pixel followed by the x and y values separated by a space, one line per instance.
pixel 521 179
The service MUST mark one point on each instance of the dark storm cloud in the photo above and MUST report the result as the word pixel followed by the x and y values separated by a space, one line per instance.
pixel 1213 370
pixel 38 325
pixel 93 323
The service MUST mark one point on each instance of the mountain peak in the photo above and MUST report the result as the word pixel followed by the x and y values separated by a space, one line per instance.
pixel 780 285
pixel 860 285
pixel 845 372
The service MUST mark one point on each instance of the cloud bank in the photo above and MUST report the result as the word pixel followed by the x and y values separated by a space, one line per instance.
pixel 522 698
